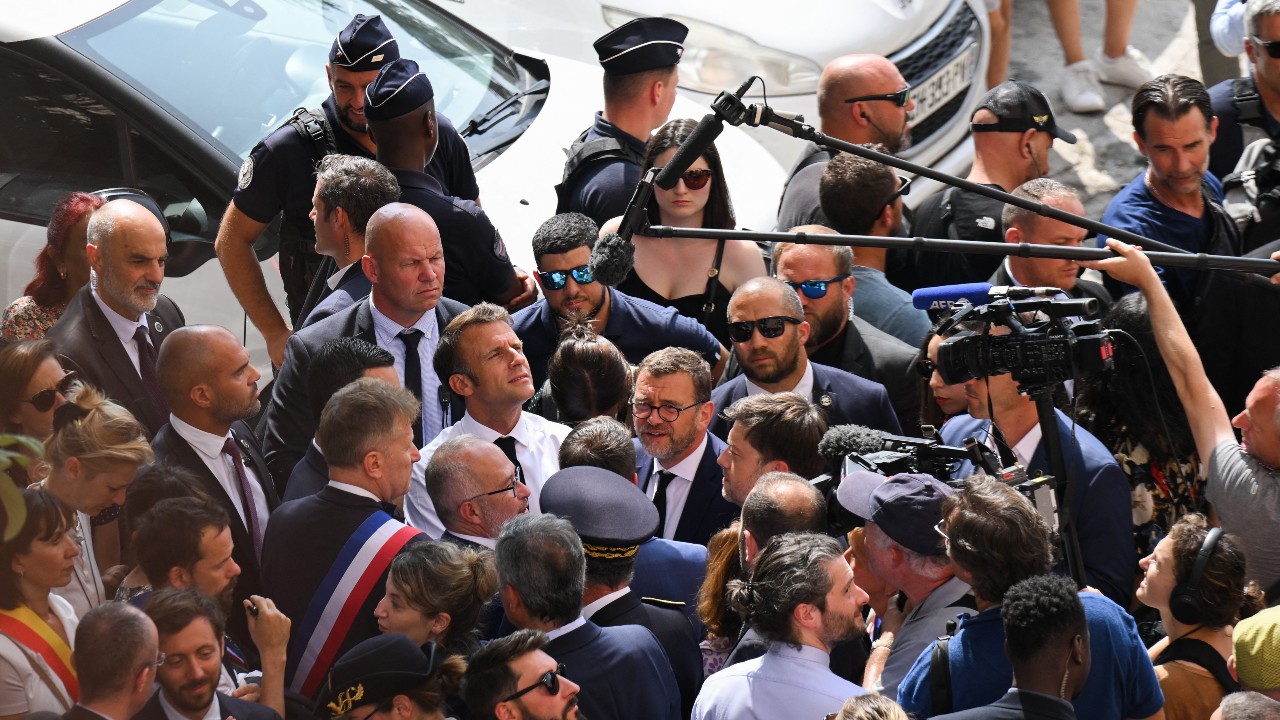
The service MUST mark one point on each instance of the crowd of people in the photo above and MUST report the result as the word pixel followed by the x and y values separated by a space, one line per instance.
pixel 473 491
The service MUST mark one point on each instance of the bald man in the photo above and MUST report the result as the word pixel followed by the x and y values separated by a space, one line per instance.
pixel 862 99
pixel 111 333
pixel 404 314
pixel 212 388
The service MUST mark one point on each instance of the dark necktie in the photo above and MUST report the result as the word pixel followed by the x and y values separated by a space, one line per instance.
pixel 246 495
pixel 413 373
pixel 147 371
pixel 660 499
pixel 508 446
pixel 1007 458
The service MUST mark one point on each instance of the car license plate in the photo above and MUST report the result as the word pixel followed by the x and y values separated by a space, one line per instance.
pixel 945 84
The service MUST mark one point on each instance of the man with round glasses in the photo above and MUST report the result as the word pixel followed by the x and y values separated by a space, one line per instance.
pixel 561 250
pixel 769 331
pixel 862 99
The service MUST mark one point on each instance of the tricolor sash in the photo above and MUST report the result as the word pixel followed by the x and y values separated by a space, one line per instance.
pixel 344 590
pixel 31 631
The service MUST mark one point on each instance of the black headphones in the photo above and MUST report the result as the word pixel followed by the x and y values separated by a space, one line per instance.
pixel 1185 602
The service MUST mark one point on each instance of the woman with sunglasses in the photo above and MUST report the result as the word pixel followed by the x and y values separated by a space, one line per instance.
pixel 62 268
pixel 95 449
pixel 35 386
pixel 696 277
pixel 37 628
pixel 939 402
pixel 437 592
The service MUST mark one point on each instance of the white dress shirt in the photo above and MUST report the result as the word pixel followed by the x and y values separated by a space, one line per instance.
pixel 803 388
pixel 566 629
pixel 171 713
pixel 385 332
pixel 601 602
pixel 537 448
pixel 785 682
pixel 124 329
pixel 678 489
pixel 209 448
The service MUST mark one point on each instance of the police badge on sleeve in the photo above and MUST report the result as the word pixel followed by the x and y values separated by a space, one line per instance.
pixel 246 174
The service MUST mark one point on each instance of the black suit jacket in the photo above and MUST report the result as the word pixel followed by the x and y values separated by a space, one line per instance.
pixel 353 288
pixel 623 671
pixel 1017 705
pixel 674 633
pixel 170 447
pixel 871 353
pixel 229 708
pixel 846 399
pixel 88 344
pixel 706 512
pixel 288 421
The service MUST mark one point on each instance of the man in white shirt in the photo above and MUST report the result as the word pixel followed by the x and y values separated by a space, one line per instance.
pixel 479 358
pixel 801 597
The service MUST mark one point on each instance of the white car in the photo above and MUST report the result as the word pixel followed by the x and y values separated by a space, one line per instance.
pixel 169 96
pixel 940 46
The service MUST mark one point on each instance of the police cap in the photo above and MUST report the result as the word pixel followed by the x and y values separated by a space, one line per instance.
pixel 364 44
pixel 611 515
pixel 375 671
pixel 642 44
pixel 398 89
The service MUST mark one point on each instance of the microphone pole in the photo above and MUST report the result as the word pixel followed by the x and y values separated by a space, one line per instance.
pixel 1197 261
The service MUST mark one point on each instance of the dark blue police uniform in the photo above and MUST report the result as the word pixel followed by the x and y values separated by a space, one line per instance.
pixel 603 190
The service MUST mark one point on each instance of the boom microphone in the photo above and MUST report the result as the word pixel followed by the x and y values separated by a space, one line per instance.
pixel 611 259
pixel 708 129
pixel 842 440
pixel 944 297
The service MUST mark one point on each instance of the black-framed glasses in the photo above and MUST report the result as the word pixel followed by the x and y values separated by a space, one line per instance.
pixel 668 413
pixel 925 368
pixel 557 279
pixel 515 479
pixel 44 399
pixel 770 327
pixel 695 179
pixel 814 289
pixel 1271 46
pixel 549 680
pixel 900 98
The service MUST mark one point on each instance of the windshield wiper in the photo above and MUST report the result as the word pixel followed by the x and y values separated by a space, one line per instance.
pixel 506 107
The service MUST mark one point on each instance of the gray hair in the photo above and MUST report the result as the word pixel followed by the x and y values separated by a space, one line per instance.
pixel 361 418
pixel 449 478
pixel 1249 705
pixel 358 185
pixel 791 570
pixel 1254 9
pixel 113 641
pixel 933 567
pixel 541 558
pixel 1037 190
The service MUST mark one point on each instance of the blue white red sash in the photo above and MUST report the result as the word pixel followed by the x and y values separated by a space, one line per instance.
pixel 344 590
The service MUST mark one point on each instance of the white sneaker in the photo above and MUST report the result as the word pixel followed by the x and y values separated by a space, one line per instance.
pixel 1129 70
pixel 1080 89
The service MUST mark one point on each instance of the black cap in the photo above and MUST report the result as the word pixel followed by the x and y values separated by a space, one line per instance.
pixel 375 671
pixel 642 44
pixel 907 506
pixel 398 89
pixel 1020 107
pixel 364 44
pixel 611 515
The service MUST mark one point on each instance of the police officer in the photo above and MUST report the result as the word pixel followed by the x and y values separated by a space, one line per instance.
pixel 639 60
pixel 389 673
pixel 614 518
pixel 279 176
pixel 400 106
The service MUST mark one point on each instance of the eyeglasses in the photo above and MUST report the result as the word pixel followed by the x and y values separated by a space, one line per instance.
pixel 510 488
pixel 160 658
pixel 813 289
pixel 1271 46
pixel 770 327
pixel 946 541
pixel 904 189
pixel 925 368
pixel 668 413
pixel 900 98
pixel 44 399
pixel 557 279
pixel 695 179
pixel 549 680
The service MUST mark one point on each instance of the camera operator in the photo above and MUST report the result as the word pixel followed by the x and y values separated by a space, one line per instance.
pixel 1101 507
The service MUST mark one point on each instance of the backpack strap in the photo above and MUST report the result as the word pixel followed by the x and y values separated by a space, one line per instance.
pixel 1244 93
pixel 940 674
pixel 1200 653
pixel 584 154
pixel 313 126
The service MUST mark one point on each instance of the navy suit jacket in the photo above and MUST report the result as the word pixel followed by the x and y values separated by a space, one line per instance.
pixel 623 671
pixel 230 709
pixel 288 422
pixel 308 476
pixel 674 633
pixel 353 288
pixel 705 511
pixel 846 399
pixel 671 570
pixel 89 345
pixel 170 447
pixel 1101 506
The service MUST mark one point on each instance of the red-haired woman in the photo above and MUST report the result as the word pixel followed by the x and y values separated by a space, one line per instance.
pixel 62 268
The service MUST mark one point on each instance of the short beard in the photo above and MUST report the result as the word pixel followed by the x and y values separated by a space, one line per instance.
pixel 785 366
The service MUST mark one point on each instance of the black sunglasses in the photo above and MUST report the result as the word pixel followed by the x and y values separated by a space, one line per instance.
pixel 1271 46
pixel 549 680
pixel 557 279
pixel 904 189
pixel 925 368
pixel 770 327
pixel 44 399
pixel 694 179
pixel 814 289
pixel 900 98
